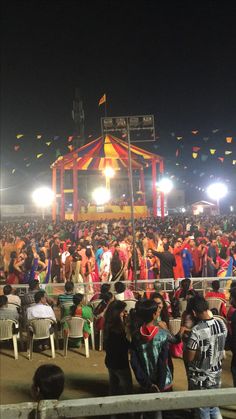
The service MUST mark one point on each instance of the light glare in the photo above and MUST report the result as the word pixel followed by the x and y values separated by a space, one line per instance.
pixel 101 196
pixel 165 185
pixel 43 197
pixel 217 191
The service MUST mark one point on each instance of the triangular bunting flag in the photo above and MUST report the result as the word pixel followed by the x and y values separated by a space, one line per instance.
pixel 16 147
pixel 229 140
pixel 19 136
pixel 39 155
pixel 70 138
pixel 221 159
pixel 227 152
pixel 179 138
pixel 212 150
pixel 196 149
pixel 195 132
pixel 39 136
pixel 194 155
pixel 48 143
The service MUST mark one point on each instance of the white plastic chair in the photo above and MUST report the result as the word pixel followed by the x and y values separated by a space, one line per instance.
pixel 215 303
pixel 174 326
pixel 75 330
pixel 129 304
pixel 40 329
pixel 182 305
pixel 7 332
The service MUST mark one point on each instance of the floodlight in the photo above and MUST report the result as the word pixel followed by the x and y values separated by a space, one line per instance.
pixel 43 197
pixel 217 191
pixel 165 185
pixel 101 196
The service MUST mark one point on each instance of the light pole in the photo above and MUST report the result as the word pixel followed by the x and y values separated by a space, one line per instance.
pixel 217 191
pixel 125 124
pixel 165 185
pixel 43 198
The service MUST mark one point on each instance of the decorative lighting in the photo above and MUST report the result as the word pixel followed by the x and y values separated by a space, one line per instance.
pixel 109 172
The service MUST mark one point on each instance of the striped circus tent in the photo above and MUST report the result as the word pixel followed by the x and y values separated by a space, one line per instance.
pixel 102 152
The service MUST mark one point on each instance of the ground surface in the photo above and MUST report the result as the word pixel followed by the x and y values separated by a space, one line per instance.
pixel 84 377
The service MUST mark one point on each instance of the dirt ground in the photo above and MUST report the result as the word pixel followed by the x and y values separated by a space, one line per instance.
pixel 84 377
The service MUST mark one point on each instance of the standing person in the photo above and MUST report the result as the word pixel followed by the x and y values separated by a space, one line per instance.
pixel 187 262
pixel 196 254
pixel 105 265
pixel 56 260
pixel 204 353
pixel 231 317
pixel 212 266
pixel 177 251
pixel 167 262
pixel 116 347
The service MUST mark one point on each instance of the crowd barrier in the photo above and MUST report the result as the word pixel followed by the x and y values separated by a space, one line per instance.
pixel 113 405
pixel 201 284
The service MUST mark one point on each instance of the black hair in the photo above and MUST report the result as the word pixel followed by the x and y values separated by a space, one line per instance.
pixel 7 289
pixel 184 285
pixel 88 252
pixel 72 250
pixel 3 300
pixel 13 256
pixel 40 294
pixel 215 285
pixel 146 310
pixel 42 256
pixel 166 247
pixel 104 289
pixel 119 287
pixel 199 304
pixel 69 286
pixel 113 322
pixel 107 296
pixel 77 299
pixel 49 379
pixel 164 312
pixel 33 284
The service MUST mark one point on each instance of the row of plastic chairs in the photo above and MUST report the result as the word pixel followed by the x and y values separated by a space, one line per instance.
pixel 40 329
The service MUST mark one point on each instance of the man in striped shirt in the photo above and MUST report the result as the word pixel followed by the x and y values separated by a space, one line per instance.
pixel 65 301
pixel 204 353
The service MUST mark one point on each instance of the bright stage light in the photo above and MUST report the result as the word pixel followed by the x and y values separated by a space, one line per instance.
pixel 217 191
pixel 109 172
pixel 165 185
pixel 43 197
pixel 101 195
pixel 183 210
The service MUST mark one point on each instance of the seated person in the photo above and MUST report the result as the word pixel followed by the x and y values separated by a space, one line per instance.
pixel 123 293
pixel 48 382
pixel 215 293
pixel 6 312
pixel 78 309
pixel 65 301
pixel 100 310
pixel 40 310
pixel 11 297
pixel 181 292
pixel 99 295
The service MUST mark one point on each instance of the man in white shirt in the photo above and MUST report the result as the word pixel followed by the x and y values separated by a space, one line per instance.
pixel 40 310
pixel 12 299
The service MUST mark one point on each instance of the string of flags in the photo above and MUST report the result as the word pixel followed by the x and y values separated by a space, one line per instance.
pixel 223 152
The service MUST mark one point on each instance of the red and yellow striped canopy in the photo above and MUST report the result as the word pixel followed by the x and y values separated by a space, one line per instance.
pixel 102 152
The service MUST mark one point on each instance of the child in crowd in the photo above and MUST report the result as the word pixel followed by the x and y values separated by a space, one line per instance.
pixel 48 382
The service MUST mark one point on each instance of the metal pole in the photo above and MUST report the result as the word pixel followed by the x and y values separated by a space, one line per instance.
pixel 132 202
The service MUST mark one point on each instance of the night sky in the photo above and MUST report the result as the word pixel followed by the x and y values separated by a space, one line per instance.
pixel 175 60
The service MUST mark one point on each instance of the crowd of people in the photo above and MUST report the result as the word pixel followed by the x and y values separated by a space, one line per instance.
pixel 104 256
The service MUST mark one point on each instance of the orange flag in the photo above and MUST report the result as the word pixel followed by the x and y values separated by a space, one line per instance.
pixel 102 100
pixel 229 140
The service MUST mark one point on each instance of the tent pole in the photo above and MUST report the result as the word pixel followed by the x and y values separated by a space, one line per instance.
pixel 54 189
pixel 75 190
pixel 62 211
